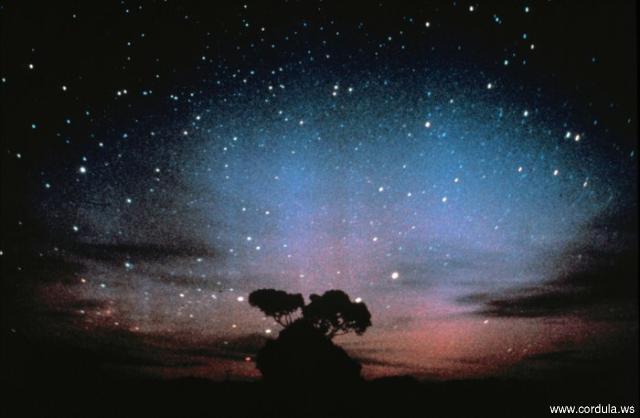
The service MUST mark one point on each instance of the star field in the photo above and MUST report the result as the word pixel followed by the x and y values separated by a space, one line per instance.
pixel 454 165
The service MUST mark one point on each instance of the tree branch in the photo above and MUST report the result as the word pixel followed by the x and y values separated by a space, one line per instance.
pixel 278 319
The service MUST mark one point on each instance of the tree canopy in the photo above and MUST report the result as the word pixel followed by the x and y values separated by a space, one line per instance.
pixel 334 313
pixel 277 304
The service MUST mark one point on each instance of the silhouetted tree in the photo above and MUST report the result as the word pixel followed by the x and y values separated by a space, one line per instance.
pixel 304 351
pixel 277 304
pixel 334 313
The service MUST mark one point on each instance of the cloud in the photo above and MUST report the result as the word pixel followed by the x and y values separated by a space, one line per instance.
pixel 559 356
pixel 148 252
pixel 86 354
pixel 372 361
pixel 195 281
pixel 451 264
pixel 598 280
pixel 47 268
pixel 606 290
pixel 233 348
pixel 616 361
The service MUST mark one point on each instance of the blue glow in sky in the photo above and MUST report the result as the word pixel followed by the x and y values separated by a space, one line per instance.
pixel 443 163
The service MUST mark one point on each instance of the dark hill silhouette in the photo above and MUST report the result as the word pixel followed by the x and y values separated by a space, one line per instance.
pixel 45 382
pixel 302 353
pixel 46 378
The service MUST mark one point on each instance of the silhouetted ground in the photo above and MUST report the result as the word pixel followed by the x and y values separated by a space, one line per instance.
pixel 51 382
pixel 393 397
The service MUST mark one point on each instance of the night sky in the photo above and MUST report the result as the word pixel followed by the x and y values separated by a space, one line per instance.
pixel 466 169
